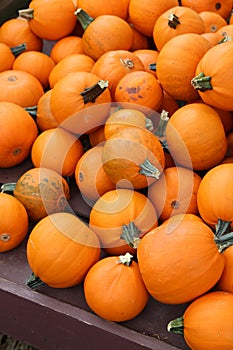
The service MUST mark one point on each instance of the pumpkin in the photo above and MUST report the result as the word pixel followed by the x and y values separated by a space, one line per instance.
pixel 120 217
pixel 14 222
pixel 104 33
pixel 230 144
pixel 140 41
pixel 169 104
pixel 207 322
pixel 176 64
pixel 16 31
pixel 175 21
pixel 57 149
pixel 195 136
pixel 215 206
pixel 18 132
pixel 196 257
pixel 97 137
pixel 175 192
pixel 7 57
pixel 124 117
pixel 149 58
pixel 140 88
pixel 213 38
pixel 71 63
pixel 36 63
pixel 72 97
pixel 63 47
pixel 212 79
pixel 42 191
pixel 90 177
pixel 144 14
pixel 213 21
pixel 60 250
pixel 20 87
pixel 50 20
pixel 225 281
pixel 222 7
pixel 114 65
pixel 133 158
pixel 114 290
pixel 44 117
pixel 105 7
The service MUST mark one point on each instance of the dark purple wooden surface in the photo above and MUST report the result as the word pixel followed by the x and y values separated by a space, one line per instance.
pixel 50 318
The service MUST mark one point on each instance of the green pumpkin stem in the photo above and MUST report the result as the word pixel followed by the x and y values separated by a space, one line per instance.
pixel 164 118
pixel 126 259
pixel 131 234
pixel 176 325
pixel 173 20
pixel 8 187
pixel 222 227
pixel 33 281
pixel 225 38
pixel 16 50
pixel 152 66
pixel 224 241
pixel 148 169
pixel 83 18
pixel 149 124
pixel 90 94
pixel 27 14
pixel 201 82
pixel 31 110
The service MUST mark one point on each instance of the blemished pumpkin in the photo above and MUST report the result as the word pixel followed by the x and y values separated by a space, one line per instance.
pixel 207 323
pixel 60 250
pixel 104 33
pixel 90 177
pixel 133 157
pixel 18 132
pixel 192 271
pixel 57 149
pixel 120 217
pixel 175 192
pixel 176 21
pixel 42 191
pixel 212 79
pixel 44 117
pixel 215 197
pixel 14 222
pixel 41 14
pixel 222 7
pixel 195 136
pixel 114 290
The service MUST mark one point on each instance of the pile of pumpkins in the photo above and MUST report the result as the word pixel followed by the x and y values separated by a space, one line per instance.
pixel 133 104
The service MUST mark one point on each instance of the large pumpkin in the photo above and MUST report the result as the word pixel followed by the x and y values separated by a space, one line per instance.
pixel 60 250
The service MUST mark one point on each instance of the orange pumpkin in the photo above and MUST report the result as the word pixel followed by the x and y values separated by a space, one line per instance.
pixel 213 21
pixel 176 21
pixel 50 20
pixel 203 323
pixel 60 251
pixel 198 149
pixel 222 7
pixel 44 117
pixel 42 191
pixel 71 98
pixel 7 57
pixel 230 144
pixel 18 132
pixel 16 31
pixel 14 82
pixel 120 218
pixel 97 136
pixel 148 58
pixel 140 41
pixel 225 281
pixel 66 46
pixel 90 176
pixel 133 158
pixel 105 7
pixel 196 257
pixel 14 222
pixel 57 149
pixel 104 33
pixel 175 192
pixel 130 295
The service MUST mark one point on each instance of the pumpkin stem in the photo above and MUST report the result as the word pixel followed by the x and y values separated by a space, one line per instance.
pixel 31 110
pixel 225 241
pixel 225 38
pixel 149 124
pixel 90 94
pixel 16 50
pixel 222 227
pixel 125 259
pixel 201 82
pixel 131 234
pixel 8 187
pixel 127 63
pixel 152 66
pixel 176 325
pixel 27 14
pixel 83 18
pixel 33 281
pixel 148 169
pixel 173 20
pixel 160 130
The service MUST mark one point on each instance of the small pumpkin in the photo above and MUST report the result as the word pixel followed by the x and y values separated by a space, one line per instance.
pixel 60 250
pixel 14 222
pixel 222 7
pixel 97 136
pixel 63 47
pixel 44 117
pixel 105 7
pixel 114 290
pixel 7 57
pixel 213 21
pixel 225 281
pixel 207 322
pixel 120 217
